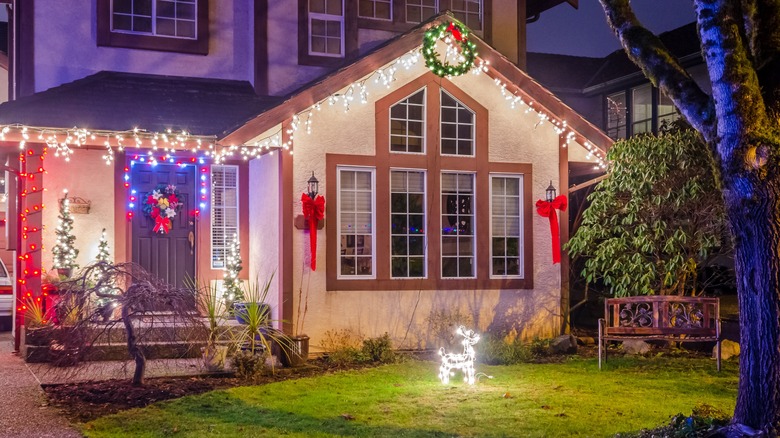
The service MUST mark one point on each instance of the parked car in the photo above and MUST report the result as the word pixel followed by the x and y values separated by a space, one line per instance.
pixel 6 298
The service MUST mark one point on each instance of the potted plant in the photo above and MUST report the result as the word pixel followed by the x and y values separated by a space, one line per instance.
pixel 257 334
pixel 212 306
pixel 298 351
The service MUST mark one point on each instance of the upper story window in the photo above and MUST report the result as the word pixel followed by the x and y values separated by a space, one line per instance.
pixel 224 212
pixel 469 12
pixel 642 109
pixel 407 124
pixel 376 9
pixel 457 127
pixel 326 28
pixel 168 25
pixel 418 11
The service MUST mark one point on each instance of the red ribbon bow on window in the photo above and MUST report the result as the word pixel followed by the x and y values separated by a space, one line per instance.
pixel 313 211
pixel 455 32
pixel 547 209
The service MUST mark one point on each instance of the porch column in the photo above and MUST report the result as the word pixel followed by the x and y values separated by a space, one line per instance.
pixel 286 233
pixel 30 218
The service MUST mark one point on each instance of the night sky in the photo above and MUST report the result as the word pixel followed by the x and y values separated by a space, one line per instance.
pixel 585 32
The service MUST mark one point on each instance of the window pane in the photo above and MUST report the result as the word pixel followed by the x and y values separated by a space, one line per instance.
pixel 506 226
pixel 407 229
pixel 469 12
pixel 457 127
pixel 408 124
pixel 356 234
pixel 224 211
pixel 457 224
pixel 641 109
pixel 617 113
pixel 418 11
pixel 378 9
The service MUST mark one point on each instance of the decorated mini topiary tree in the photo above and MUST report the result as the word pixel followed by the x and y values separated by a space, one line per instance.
pixel 64 250
pixel 232 268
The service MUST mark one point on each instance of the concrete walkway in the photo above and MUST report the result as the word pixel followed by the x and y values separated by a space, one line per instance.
pixel 25 413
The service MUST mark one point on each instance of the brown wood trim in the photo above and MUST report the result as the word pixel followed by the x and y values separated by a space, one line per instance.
pixel 433 164
pixel 261 47
pixel 286 297
pixel 122 249
pixel 22 74
pixel 563 217
pixel 198 46
pixel 350 37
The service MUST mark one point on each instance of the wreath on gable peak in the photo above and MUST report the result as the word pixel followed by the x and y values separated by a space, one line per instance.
pixel 161 204
pixel 460 54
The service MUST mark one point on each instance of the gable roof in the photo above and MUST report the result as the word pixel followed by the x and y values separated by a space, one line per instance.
pixel 115 101
pixel 570 73
pixel 501 68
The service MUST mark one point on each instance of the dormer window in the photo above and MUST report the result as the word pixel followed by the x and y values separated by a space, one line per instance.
pixel 168 25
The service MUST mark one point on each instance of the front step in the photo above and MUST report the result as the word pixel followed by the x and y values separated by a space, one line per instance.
pixel 161 340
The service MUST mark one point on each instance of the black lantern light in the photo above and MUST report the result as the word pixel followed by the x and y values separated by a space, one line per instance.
pixel 550 192
pixel 313 186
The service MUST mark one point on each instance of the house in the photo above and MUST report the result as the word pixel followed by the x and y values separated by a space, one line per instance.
pixel 429 181
pixel 612 92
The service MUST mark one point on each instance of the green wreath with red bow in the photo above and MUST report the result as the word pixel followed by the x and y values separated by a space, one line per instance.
pixel 449 33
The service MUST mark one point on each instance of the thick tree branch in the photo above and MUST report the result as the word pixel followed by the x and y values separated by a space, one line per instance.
pixel 648 52
pixel 762 30
pixel 735 89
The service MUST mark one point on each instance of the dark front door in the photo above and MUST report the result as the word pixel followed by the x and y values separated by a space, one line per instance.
pixel 169 256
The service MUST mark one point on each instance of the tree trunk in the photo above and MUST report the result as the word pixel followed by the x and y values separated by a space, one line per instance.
pixel 754 214
pixel 133 348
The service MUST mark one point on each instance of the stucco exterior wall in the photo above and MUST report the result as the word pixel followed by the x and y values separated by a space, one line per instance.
pixel 264 225
pixel 98 187
pixel 66 46
pixel 403 314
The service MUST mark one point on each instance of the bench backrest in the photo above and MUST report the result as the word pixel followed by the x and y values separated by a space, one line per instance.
pixel 662 315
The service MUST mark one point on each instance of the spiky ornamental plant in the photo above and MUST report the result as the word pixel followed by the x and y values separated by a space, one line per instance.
pixel 64 251
pixel 232 268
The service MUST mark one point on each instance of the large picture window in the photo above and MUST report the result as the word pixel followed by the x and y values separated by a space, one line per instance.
pixel 407 223
pixel 412 217
pixel 224 212
pixel 356 222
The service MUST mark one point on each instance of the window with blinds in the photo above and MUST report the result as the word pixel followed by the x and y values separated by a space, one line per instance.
pixel 407 223
pixel 506 226
pixel 457 225
pixel 224 211
pixel 356 222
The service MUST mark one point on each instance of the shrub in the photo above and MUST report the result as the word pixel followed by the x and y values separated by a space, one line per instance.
pixel 249 366
pixel 342 347
pixel 495 350
pixel 379 349
pixel 703 421
pixel 444 323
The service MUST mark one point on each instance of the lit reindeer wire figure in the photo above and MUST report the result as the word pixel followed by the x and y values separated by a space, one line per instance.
pixel 463 361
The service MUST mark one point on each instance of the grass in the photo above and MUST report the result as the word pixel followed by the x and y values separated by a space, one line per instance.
pixel 406 400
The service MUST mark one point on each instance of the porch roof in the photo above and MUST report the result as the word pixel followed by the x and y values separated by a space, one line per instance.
pixel 116 101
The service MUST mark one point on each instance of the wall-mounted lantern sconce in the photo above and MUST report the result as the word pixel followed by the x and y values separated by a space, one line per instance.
pixel 550 193
pixel 312 186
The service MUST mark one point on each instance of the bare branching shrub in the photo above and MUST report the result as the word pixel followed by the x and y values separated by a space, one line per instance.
pixel 145 304
pixel 343 346
pixel 444 323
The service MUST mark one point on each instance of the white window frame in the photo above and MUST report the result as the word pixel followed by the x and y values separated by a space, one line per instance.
pixel 374 17
pixel 406 11
pixel 424 121
pixel 374 248
pixel 154 22
pixel 326 17
pixel 425 220
pixel 474 205
pixel 481 14
pixel 214 208
pixel 441 129
pixel 521 207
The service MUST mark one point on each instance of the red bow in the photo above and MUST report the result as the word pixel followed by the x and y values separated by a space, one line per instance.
pixel 162 225
pixel 313 211
pixel 151 201
pixel 547 209
pixel 455 32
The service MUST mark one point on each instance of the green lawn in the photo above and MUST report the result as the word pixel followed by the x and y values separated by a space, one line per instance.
pixel 569 399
